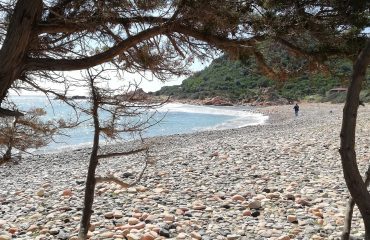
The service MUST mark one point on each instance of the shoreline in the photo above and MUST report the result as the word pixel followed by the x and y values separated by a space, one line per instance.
pixel 238 112
pixel 205 184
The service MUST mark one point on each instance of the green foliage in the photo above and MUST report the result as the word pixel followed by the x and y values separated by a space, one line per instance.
pixel 239 80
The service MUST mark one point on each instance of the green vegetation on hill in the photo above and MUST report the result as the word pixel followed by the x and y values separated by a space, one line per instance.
pixel 240 81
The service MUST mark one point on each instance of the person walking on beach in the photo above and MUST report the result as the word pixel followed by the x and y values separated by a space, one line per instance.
pixel 296 109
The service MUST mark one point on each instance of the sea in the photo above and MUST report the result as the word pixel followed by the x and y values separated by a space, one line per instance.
pixel 174 118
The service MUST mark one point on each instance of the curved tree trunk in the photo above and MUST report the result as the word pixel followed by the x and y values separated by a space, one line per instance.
pixel 352 176
pixel 16 43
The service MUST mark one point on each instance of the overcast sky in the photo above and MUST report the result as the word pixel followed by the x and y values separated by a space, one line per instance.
pixel 155 85
pixel 146 85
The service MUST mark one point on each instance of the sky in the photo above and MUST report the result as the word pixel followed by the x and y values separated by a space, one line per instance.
pixel 155 85
pixel 146 85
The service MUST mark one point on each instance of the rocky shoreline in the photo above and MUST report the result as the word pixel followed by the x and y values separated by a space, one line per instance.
pixel 281 180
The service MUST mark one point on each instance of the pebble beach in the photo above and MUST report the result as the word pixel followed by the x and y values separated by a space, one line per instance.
pixel 281 180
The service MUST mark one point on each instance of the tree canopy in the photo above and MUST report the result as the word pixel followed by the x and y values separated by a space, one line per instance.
pixel 164 37
pixel 40 38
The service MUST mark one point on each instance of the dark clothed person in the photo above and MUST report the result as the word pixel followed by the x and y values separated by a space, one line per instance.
pixel 296 109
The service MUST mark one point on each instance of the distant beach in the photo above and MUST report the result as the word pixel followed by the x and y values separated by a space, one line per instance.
pixel 281 180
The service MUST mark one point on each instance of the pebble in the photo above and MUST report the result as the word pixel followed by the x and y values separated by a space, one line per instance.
pixel 106 235
pixel 247 213
pixel 54 231
pixel 147 236
pixel 169 217
pixel 255 204
pixel 5 237
pixel 2 222
pixel 117 214
pixel 40 192
pixel 274 195
pixel 133 221
pixel 284 238
pixel 255 213
pixel 108 215
pixel 292 219
pixel 233 237
pixel 133 236
pixel 181 236
pixel 131 190
pixel 206 185
pixel 238 198
pixel 67 192
pixel 164 233
pixel 195 235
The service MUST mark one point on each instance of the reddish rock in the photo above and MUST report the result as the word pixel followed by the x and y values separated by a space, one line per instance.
pixel 108 215
pixel 196 235
pixel 133 221
pixel 292 219
pixel 318 214
pixel 147 236
pixel 238 198
pixel 137 215
pixel 169 217
pixel 217 101
pixel 67 193
pixel 12 230
pixel 247 213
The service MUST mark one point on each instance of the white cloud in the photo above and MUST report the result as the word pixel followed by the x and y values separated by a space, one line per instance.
pixel 147 85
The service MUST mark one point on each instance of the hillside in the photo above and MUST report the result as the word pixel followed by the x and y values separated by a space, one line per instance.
pixel 237 81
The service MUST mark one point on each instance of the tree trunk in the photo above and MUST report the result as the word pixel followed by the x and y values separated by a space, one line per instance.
pixel 349 211
pixel 352 176
pixel 8 154
pixel 348 219
pixel 18 38
pixel 90 180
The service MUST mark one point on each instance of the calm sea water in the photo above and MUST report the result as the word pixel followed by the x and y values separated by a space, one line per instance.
pixel 177 119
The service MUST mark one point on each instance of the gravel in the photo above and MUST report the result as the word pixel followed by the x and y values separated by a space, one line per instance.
pixel 281 180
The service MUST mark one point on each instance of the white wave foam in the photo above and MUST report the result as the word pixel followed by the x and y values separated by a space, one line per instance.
pixel 242 116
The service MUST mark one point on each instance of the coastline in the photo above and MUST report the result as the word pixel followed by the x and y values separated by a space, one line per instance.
pixel 202 183
pixel 233 117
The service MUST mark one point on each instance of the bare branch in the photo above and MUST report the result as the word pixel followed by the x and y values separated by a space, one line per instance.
pixel 121 154
pixel 112 179
pixel 120 182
